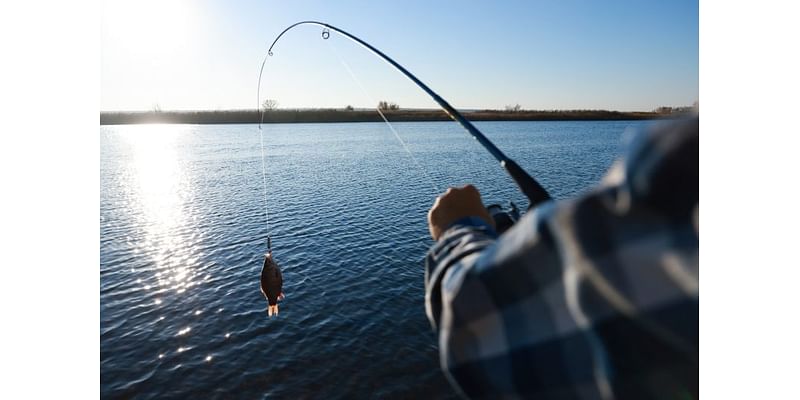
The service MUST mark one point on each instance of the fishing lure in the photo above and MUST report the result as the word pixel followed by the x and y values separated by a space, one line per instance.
pixel 271 282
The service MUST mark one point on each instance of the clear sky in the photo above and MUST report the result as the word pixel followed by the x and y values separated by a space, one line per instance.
pixel 205 55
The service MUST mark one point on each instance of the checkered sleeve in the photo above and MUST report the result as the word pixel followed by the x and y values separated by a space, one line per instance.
pixel 501 313
pixel 593 297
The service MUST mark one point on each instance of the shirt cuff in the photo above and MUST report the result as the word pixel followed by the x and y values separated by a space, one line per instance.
pixel 474 222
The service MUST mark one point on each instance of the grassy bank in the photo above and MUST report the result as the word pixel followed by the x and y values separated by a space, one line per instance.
pixel 341 115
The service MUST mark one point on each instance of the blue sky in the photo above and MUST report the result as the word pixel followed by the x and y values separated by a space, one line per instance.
pixel 620 55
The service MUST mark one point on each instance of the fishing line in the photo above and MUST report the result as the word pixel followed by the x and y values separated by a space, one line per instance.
pixel 391 127
pixel 263 162
pixel 264 180
pixel 436 190
pixel 534 191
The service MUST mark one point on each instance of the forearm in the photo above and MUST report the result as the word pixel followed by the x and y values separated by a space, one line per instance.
pixel 458 249
pixel 484 298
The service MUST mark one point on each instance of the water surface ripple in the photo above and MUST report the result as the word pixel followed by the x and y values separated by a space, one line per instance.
pixel 182 236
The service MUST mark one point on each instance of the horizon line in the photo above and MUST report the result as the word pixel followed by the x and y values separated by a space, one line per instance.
pixel 694 106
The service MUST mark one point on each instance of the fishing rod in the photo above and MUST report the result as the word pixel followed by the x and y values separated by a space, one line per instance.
pixel 535 193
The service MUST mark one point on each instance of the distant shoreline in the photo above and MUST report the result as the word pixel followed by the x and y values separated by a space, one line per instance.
pixel 342 115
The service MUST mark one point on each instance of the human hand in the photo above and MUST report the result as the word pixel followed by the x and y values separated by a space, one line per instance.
pixel 454 204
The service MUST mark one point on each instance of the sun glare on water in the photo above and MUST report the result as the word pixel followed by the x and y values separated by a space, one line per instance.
pixel 160 192
pixel 157 173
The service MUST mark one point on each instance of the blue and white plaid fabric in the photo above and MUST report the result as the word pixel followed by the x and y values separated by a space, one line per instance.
pixel 590 298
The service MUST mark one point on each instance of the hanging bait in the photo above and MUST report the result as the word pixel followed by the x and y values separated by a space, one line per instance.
pixel 271 282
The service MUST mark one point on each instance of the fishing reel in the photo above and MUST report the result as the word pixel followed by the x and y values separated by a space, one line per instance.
pixel 504 218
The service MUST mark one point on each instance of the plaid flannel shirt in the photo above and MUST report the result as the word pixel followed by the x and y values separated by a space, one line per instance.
pixel 593 297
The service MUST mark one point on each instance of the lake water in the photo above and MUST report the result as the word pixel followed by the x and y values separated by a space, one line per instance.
pixel 182 239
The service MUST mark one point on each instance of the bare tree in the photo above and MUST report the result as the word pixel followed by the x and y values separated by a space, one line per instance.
pixel 663 110
pixel 514 108
pixel 387 106
pixel 269 104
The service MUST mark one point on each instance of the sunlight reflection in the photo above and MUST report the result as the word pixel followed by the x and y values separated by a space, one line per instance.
pixel 157 172
pixel 161 188
pixel 180 273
